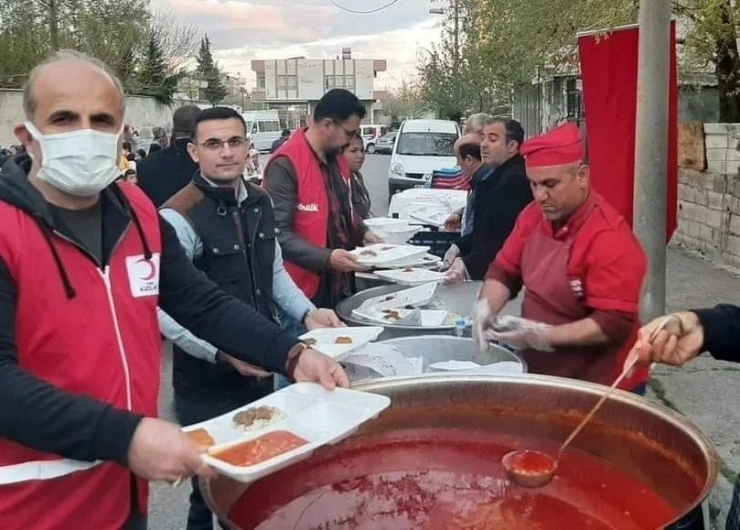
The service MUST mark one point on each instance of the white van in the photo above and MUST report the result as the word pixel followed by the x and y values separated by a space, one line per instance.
pixel 263 128
pixel 421 147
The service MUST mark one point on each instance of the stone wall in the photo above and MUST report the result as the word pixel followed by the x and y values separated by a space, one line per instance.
pixel 141 112
pixel 722 142
pixel 709 213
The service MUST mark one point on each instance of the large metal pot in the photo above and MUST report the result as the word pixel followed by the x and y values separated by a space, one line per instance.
pixel 435 348
pixel 650 442
pixel 458 299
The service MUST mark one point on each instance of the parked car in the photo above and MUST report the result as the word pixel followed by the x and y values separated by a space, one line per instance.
pixel 370 133
pixel 385 143
pixel 422 147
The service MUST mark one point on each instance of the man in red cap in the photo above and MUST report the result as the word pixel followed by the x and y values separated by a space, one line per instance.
pixel 580 264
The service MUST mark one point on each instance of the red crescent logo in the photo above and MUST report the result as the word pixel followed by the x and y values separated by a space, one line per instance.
pixel 152 269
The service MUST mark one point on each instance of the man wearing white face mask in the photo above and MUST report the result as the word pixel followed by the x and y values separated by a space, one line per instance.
pixel 84 262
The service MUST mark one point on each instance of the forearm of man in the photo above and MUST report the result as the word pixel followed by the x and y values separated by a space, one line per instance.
pixel 185 340
pixel 585 332
pixel 280 182
pixel 601 328
pixel 285 292
pixel 496 293
pixel 227 323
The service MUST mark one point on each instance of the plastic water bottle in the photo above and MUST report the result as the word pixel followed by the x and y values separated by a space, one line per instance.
pixel 460 327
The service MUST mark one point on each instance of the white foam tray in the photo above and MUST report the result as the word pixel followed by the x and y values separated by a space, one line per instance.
pixel 313 413
pixel 429 317
pixel 417 296
pixel 326 339
pixel 413 277
pixel 385 223
pixel 431 215
pixel 427 260
pixel 386 252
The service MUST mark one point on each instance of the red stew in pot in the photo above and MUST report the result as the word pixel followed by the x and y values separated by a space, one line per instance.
pixel 445 479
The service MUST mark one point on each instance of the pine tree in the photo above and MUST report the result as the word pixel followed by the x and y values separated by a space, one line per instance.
pixel 214 92
pixel 154 78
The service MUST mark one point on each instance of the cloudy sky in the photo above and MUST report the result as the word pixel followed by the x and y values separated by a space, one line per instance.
pixel 242 30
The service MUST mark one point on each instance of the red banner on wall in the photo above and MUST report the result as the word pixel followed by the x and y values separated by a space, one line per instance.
pixel 609 74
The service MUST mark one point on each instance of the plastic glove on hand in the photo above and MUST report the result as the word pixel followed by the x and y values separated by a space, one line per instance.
pixel 482 318
pixel 520 334
pixel 452 253
pixel 458 273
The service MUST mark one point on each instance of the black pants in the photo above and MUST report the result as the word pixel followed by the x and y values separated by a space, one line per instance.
pixel 194 408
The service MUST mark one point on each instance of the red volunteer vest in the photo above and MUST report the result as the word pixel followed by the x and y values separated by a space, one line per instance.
pixel 312 209
pixel 102 343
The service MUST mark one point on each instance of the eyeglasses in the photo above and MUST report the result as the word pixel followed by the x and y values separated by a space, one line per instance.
pixel 214 144
pixel 348 132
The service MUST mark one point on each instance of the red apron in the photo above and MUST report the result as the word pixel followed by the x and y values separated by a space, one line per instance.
pixel 554 295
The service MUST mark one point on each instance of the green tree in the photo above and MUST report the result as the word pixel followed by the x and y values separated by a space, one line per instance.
pixel 503 43
pixel 154 78
pixel 711 41
pixel 118 32
pixel 214 92
pixel 403 103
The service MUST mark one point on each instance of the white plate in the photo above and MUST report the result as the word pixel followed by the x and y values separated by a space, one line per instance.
pixel 411 277
pixel 397 235
pixel 431 215
pixel 383 253
pixel 317 415
pixel 381 316
pixel 427 260
pixel 416 296
pixel 326 339
pixel 428 317
pixel 384 223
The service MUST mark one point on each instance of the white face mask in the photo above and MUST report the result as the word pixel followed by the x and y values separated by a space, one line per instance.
pixel 80 163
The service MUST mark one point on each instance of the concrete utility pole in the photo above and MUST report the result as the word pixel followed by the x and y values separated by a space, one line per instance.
pixel 651 148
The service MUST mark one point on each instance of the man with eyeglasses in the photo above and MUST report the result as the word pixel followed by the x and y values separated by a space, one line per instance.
pixel 227 227
pixel 310 187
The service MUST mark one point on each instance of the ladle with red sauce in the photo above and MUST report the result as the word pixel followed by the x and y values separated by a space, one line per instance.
pixel 534 469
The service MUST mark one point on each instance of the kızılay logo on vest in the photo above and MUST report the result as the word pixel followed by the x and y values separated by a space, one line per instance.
pixel 313 207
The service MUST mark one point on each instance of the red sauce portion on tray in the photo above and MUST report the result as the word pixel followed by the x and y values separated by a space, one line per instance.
pixel 445 479
pixel 260 449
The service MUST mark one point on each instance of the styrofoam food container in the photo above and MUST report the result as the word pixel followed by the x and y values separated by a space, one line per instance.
pixel 416 296
pixel 427 260
pixel 412 277
pixel 397 235
pixel 387 252
pixel 384 223
pixel 311 412
pixel 326 339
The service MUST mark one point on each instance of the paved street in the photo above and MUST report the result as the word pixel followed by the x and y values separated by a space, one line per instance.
pixel 705 391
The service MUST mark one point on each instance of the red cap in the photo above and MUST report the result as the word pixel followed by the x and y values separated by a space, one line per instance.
pixel 560 147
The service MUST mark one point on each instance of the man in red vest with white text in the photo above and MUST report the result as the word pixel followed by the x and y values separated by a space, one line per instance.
pixel 84 262
pixel 310 187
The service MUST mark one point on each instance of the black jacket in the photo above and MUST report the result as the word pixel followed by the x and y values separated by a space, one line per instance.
pixel 43 417
pixel 165 172
pixel 498 201
pixel 238 255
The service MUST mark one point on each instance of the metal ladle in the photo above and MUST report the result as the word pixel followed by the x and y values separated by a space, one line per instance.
pixel 534 469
